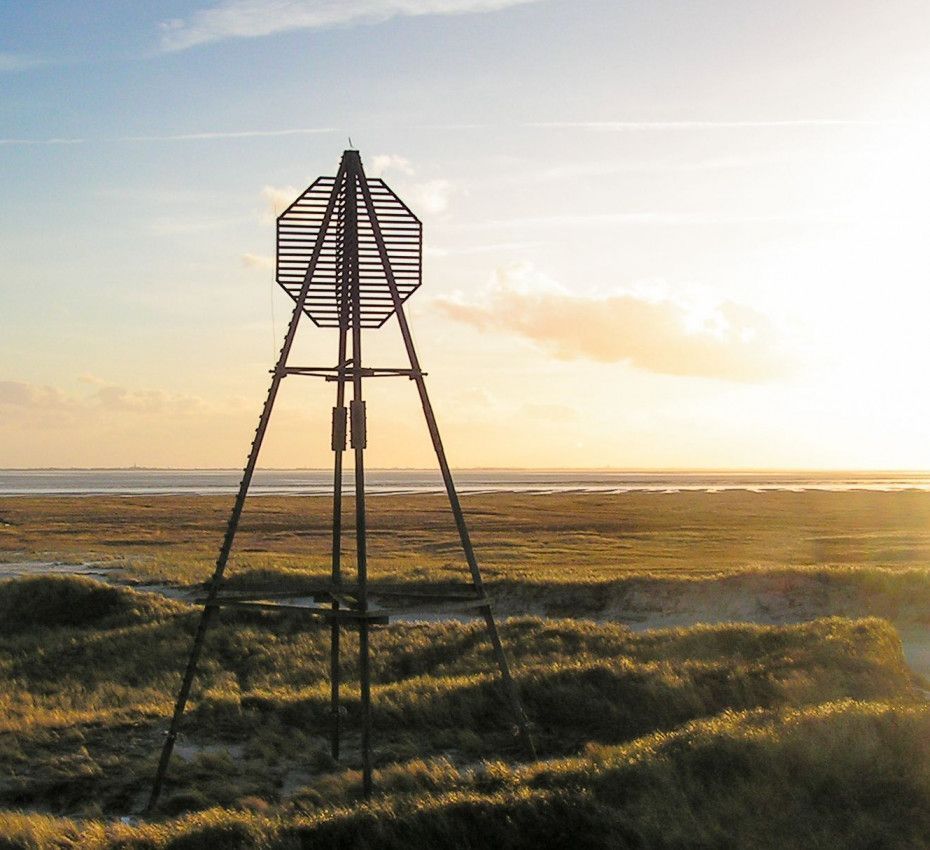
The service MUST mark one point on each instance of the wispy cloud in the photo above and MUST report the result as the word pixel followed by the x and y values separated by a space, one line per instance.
pixel 430 196
pixel 110 396
pixel 383 162
pixel 258 261
pixel 255 18
pixel 661 218
pixel 233 134
pixel 702 125
pixel 276 200
pixel 180 137
pixel 20 394
pixel 647 327
pixel 18 62
pixel 487 248
pixel 102 395
pixel 574 170
pixel 53 141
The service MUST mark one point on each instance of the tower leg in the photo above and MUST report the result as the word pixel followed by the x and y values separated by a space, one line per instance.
pixel 232 526
pixel 499 654
pixel 214 586
pixel 510 686
pixel 365 676
pixel 359 440
pixel 361 546
pixel 339 444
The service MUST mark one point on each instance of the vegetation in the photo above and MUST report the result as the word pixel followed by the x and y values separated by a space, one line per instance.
pixel 673 557
pixel 541 539
pixel 812 734
pixel 625 721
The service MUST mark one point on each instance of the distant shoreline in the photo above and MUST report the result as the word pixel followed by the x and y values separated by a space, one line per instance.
pixel 612 470
pixel 307 482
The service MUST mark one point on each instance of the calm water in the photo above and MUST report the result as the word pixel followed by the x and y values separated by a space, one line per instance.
pixel 317 481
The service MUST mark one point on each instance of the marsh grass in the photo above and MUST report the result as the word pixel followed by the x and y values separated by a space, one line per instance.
pixel 671 558
pixel 83 703
pixel 808 735
pixel 542 539
pixel 843 774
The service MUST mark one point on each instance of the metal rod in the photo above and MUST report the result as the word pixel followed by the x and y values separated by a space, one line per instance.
pixel 337 550
pixel 509 685
pixel 355 178
pixel 233 524
pixel 339 445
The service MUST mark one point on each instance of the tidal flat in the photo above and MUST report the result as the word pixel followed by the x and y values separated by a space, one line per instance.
pixel 700 669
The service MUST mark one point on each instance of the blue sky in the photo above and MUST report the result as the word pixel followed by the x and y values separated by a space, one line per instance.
pixel 728 200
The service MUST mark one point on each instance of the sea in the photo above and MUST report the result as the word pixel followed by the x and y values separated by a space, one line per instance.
pixel 310 482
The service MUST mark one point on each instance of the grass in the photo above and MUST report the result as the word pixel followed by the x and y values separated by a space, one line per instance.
pixel 672 558
pixel 83 702
pixel 813 734
pixel 540 539
pixel 842 774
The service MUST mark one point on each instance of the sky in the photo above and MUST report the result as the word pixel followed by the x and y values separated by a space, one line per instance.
pixel 656 234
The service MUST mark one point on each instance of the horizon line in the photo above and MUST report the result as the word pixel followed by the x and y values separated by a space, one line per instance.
pixel 612 469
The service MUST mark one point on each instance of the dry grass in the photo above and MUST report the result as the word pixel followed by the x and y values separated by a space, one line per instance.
pixel 537 539
pixel 844 774
pixel 737 735
pixel 82 703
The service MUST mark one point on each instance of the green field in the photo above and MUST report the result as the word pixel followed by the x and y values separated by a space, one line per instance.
pixel 814 734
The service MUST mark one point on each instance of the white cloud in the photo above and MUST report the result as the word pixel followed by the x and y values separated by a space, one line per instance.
pixel 426 196
pixel 277 199
pixel 254 18
pixel 432 196
pixel 646 326
pixel 258 261
pixel 383 162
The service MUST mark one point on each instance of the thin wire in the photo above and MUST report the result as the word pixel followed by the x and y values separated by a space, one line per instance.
pixel 274 331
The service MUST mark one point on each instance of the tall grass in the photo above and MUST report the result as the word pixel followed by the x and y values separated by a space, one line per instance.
pixel 844 774
pixel 82 706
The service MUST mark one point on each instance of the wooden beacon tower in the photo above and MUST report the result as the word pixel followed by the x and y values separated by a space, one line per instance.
pixel 349 255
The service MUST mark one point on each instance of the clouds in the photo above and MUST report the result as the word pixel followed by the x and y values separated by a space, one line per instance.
pixel 277 199
pixel 255 18
pixel 23 396
pixel 97 422
pixel 257 261
pixel 229 134
pixel 49 141
pixel 425 196
pixel 702 125
pixel 647 327
pixel 387 161
pixel 432 196
pixel 18 62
